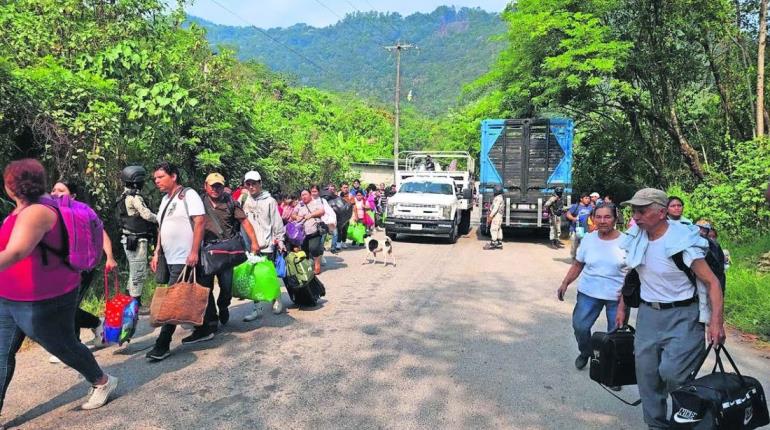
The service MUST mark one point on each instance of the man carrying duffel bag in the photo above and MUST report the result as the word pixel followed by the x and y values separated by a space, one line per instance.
pixel 670 328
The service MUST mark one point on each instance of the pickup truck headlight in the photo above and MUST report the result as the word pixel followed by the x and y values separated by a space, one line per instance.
pixel 447 212
pixel 390 209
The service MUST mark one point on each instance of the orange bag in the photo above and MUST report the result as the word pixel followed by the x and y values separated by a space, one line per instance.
pixel 182 303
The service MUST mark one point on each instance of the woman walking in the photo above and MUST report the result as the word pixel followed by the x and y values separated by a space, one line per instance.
pixel 309 211
pixel 85 319
pixel 600 265
pixel 36 299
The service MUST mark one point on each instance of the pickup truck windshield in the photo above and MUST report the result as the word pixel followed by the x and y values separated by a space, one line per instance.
pixel 426 187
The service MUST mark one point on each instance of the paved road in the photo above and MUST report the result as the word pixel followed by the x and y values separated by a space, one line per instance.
pixel 453 337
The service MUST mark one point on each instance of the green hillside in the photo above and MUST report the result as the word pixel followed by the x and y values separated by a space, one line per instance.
pixel 456 46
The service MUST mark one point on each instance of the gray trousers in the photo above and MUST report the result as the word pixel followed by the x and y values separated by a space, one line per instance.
pixel 137 267
pixel 667 347
pixel 574 244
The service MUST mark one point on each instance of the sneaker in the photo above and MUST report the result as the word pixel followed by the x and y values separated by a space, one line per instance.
pixel 256 314
pixel 100 394
pixel 54 359
pixel 615 387
pixel 157 353
pixel 277 307
pixel 343 246
pixel 224 316
pixel 581 361
pixel 99 336
pixel 335 251
pixel 198 336
pixel 489 246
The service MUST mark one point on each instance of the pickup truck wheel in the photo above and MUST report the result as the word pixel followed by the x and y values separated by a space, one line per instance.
pixel 465 222
pixel 453 235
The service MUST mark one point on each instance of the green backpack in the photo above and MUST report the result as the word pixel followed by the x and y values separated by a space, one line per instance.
pixel 299 266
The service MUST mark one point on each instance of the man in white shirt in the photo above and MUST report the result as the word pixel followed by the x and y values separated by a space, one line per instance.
pixel 182 225
pixel 669 336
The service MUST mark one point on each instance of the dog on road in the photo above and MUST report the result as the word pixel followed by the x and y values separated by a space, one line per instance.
pixel 376 246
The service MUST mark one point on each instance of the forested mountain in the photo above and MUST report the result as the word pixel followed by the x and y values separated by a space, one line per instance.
pixel 455 46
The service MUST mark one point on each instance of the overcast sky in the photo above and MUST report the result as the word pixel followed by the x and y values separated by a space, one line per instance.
pixel 284 13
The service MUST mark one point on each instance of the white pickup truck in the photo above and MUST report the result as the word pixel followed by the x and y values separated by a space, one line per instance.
pixel 434 203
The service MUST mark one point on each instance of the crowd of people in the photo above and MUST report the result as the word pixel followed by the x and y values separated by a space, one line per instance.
pixel 40 294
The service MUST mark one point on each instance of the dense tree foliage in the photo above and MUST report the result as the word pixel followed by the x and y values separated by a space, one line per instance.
pixel 455 47
pixel 89 86
pixel 661 91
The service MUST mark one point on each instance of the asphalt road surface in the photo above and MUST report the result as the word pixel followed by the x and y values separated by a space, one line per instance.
pixel 453 337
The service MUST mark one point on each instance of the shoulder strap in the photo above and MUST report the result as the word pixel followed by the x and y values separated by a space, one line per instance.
pixel 636 403
pixel 679 261
pixel 44 247
pixel 171 200
pixel 206 206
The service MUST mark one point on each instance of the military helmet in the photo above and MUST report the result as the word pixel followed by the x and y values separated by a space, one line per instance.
pixel 559 190
pixel 498 190
pixel 133 174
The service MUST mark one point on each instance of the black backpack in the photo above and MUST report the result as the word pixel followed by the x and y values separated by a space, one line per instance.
pixel 719 400
pixel 715 258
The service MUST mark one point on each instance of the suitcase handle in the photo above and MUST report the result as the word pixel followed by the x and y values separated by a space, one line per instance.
pixel 627 327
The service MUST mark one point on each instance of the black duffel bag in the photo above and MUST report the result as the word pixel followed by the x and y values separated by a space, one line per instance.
pixel 222 254
pixel 719 400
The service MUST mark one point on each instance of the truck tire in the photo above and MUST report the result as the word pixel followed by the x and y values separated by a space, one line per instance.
pixel 452 239
pixel 465 222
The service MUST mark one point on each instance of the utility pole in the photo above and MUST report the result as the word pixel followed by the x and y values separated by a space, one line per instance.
pixel 398 47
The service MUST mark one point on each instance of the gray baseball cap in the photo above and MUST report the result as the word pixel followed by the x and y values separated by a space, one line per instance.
pixel 647 196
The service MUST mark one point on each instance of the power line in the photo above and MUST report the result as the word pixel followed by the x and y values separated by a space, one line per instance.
pixel 374 10
pixel 341 18
pixel 266 34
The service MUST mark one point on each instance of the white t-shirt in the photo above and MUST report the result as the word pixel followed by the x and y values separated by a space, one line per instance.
pixel 604 266
pixel 661 280
pixel 176 233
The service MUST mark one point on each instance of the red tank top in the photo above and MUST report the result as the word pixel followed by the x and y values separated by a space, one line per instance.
pixel 29 280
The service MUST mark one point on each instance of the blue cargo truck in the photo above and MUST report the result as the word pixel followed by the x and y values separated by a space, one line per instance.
pixel 528 158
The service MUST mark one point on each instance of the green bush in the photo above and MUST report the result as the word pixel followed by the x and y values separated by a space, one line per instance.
pixel 747 298
pixel 734 202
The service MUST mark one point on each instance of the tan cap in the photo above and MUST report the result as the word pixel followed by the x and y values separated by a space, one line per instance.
pixel 215 178
pixel 647 196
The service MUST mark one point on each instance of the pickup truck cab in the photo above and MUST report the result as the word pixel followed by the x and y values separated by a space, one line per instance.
pixel 424 206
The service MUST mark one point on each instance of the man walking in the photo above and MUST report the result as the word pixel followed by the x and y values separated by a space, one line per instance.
pixel 137 224
pixel 262 214
pixel 223 220
pixel 669 325
pixel 182 224
pixel 578 215
pixel 555 207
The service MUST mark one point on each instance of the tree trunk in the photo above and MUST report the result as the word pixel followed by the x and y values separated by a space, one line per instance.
pixel 761 68
pixel 724 95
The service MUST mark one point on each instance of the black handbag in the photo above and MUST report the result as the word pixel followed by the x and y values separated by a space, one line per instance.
pixel 612 359
pixel 224 254
pixel 719 400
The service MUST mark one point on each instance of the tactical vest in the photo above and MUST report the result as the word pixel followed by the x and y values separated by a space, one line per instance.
pixel 134 225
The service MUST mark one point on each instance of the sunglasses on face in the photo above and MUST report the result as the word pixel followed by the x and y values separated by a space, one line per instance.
pixel 218 187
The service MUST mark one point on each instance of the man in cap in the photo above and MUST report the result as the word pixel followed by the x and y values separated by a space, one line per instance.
pixel 261 210
pixel 669 326
pixel 224 220
pixel 596 199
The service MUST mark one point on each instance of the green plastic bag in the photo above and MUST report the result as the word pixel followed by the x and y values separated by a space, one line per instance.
pixel 256 281
pixel 356 232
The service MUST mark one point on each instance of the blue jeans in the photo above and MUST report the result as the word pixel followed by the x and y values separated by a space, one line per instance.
pixel 50 323
pixel 335 236
pixel 587 310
